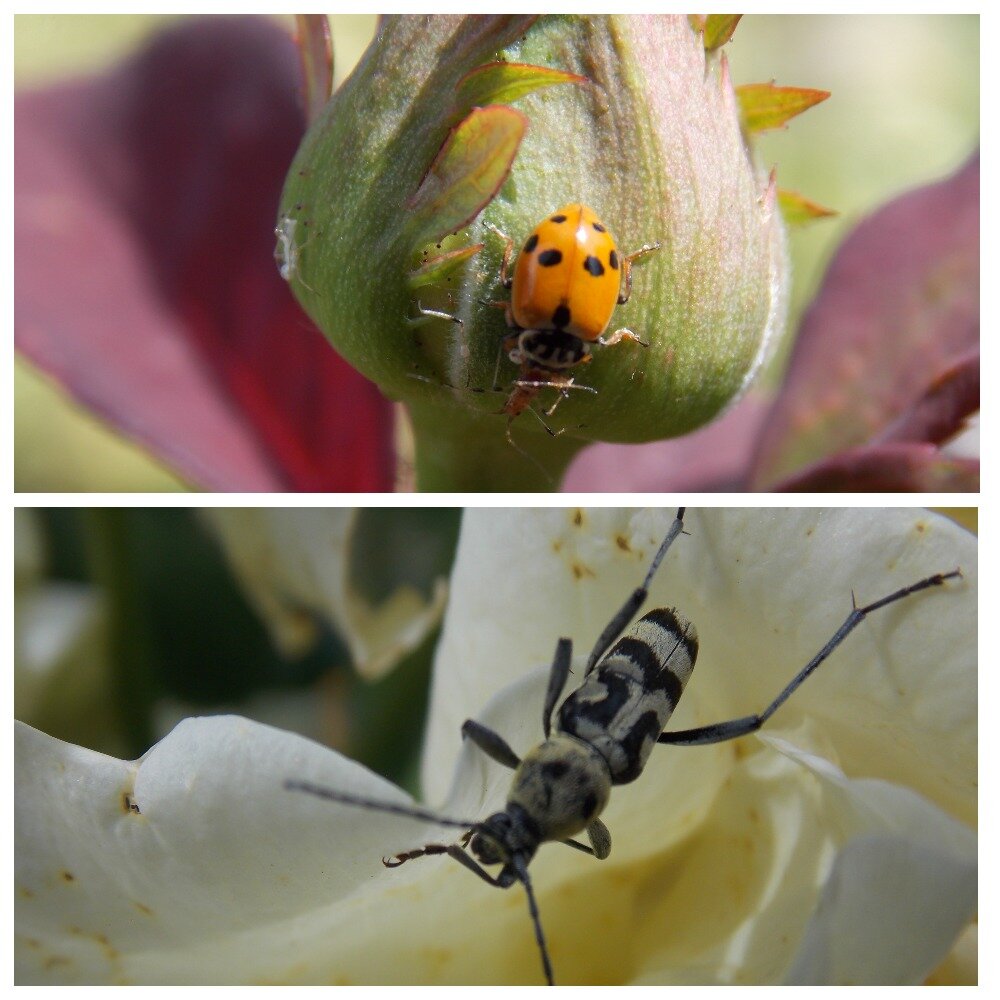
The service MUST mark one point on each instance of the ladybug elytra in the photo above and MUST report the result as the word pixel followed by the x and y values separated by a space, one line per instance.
pixel 567 281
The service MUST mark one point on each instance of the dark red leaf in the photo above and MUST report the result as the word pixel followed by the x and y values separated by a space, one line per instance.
pixel 144 232
pixel 943 410
pixel 898 308
pixel 312 33
pixel 714 458
pixel 888 468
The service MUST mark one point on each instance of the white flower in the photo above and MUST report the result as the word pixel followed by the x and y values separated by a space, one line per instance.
pixel 835 846
pixel 296 562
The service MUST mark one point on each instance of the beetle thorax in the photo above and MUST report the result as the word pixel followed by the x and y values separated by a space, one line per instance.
pixel 562 785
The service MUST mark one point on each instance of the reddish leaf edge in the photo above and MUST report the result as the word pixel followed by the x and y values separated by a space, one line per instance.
pixel 942 411
pixel 898 467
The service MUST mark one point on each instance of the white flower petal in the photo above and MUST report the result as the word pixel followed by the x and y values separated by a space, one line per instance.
pixel 900 891
pixel 898 700
pixel 298 560
pixel 796 874
pixel 217 849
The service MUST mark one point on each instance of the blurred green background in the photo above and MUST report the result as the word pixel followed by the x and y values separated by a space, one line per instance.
pixel 129 619
pixel 904 111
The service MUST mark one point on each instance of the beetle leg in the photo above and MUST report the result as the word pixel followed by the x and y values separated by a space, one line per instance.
pixel 734 728
pixel 492 744
pixel 600 839
pixel 627 262
pixel 557 680
pixel 505 279
pixel 428 849
pixel 623 334
pixel 426 315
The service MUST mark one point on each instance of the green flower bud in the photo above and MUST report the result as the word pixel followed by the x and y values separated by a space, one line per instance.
pixel 397 186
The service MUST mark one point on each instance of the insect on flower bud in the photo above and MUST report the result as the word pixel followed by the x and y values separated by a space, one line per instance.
pixel 441 163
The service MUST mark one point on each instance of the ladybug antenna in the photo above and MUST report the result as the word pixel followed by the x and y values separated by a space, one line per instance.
pixel 521 868
pixel 414 812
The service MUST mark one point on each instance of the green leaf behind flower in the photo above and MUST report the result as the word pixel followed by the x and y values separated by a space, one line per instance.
pixel 766 106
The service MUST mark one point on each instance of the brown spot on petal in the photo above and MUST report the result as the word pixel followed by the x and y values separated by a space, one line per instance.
pixel 67 876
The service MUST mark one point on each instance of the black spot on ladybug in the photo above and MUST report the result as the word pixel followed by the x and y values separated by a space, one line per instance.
pixel 613 260
pixel 532 243
pixel 549 258
pixel 557 218
pixel 593 266
pixel 560 317
pixel 599 227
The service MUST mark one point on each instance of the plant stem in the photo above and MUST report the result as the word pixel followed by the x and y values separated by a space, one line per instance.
pixel 471 453
pixel 109 539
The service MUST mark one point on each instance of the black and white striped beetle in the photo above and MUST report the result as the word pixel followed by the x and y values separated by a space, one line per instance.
pixel 604 733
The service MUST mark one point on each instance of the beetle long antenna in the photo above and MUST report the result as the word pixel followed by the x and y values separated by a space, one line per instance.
pixel 321 792
pixel 522 873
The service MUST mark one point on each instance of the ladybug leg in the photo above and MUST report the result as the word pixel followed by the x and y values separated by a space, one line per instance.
pixel 563 393
pixel 538 417
pixel 564 386
pixel 627 262
pixel 426 315
pixel 623 334
pixel 505 278
pixel 507 310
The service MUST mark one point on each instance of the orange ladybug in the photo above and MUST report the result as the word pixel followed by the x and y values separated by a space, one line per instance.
pixel 567 281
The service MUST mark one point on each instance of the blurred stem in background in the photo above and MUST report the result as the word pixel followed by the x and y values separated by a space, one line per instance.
pixel 133 679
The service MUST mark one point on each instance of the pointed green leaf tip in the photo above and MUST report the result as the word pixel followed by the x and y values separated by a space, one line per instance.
pixel 467 172
pixel 797 210
pixel 766 106
pixel 438 268
pixel 717 28
pixel 501 83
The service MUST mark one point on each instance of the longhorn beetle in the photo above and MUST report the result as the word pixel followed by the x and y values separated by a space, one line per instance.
pixel 604 733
